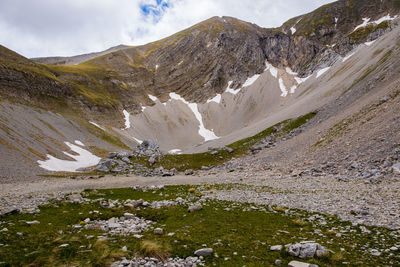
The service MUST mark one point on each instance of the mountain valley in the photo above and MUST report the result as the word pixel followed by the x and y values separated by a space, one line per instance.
pixel 299 124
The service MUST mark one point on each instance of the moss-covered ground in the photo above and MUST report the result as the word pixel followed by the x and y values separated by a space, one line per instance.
pixel 240 234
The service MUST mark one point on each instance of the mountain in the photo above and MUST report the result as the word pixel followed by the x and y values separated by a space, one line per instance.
pixel 76 59
pixel 214 83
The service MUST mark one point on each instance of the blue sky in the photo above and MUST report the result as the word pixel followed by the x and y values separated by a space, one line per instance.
pixel 72 27
pixel 155 10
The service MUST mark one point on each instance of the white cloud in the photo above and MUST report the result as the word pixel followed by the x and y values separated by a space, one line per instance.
pixel 49 27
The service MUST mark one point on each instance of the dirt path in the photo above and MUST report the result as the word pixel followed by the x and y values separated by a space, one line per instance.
pixel 68 185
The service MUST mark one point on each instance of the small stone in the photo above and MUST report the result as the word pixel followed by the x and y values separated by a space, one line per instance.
pixel 276 248
pixel 375 252
pixel 124 249
pixel 195 207
pixel 158 231
pixel 298 264
pixel 204 252
pixel 189 172
pixel 394 249
pixel 125 262
pixel 128 215
pixel 87 220
pixel 63 245
pixel 278 262
pixel 33 222
pixel 396 168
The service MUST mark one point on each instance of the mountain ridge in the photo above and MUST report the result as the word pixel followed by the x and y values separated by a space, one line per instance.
pixel 225 76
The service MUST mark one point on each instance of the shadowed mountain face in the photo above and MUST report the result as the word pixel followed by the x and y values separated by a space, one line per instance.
pixel 166 88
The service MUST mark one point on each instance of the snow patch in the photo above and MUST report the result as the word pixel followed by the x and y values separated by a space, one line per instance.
pixel 79 143
pixel 366 21
pixel 180 63
pixel 153 98
pixel 232 91
pixel 137 140
pixel 127 121
pixel 251 80
pixel 293 89
pixel 98 126
pixel 157 67
pixel 348 56
pixel 301 80
pixel 384 18
pixel 289 70
pixel 83 160
pixel 272 69
pixel 174 151
pixel 322 71
pixel 203 132
pixel 293 30
pixel 364 24
pixel 216 99
pixel 143 108
pixel 283 88
pixel 369 43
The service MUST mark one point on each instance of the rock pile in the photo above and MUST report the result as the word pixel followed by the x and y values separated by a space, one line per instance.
pixel 128 224
pixel 307 249
pixel 121 161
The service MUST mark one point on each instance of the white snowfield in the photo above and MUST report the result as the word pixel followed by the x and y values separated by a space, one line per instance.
pixel 283 88
pixel 272 69
pixel 362 25
pixel 79 143
pixel 366 21
pixel 216 99
pixel 98 126
pixel 203 132
pixel 175 151
pixel 251 80
pixel 322 71
pixel 348 56
pixel 127 121
pixel 137 140
pixel 293 30
pixel 230 90
pixel 301 80
pixel 153 98
pixel 369 43
pixel 82 160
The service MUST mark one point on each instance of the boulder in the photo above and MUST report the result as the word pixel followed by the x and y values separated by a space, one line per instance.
pixel 276 248
pixel 77 198
pixel 105 165
pixel 300 264
pixel 189 172
pixel 204 252
pixel 396 168
pixel 195 207
pixel 158 231
pixel 307 250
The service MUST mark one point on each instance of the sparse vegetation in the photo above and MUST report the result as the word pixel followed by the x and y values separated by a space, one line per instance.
pixel 240 148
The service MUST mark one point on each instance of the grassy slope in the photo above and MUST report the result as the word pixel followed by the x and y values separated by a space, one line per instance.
pixel 243 230
pixel 241 147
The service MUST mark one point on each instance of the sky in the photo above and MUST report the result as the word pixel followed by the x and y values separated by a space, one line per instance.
pixel 71 27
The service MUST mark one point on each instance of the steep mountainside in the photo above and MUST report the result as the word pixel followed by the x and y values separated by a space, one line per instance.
pixel 212 84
